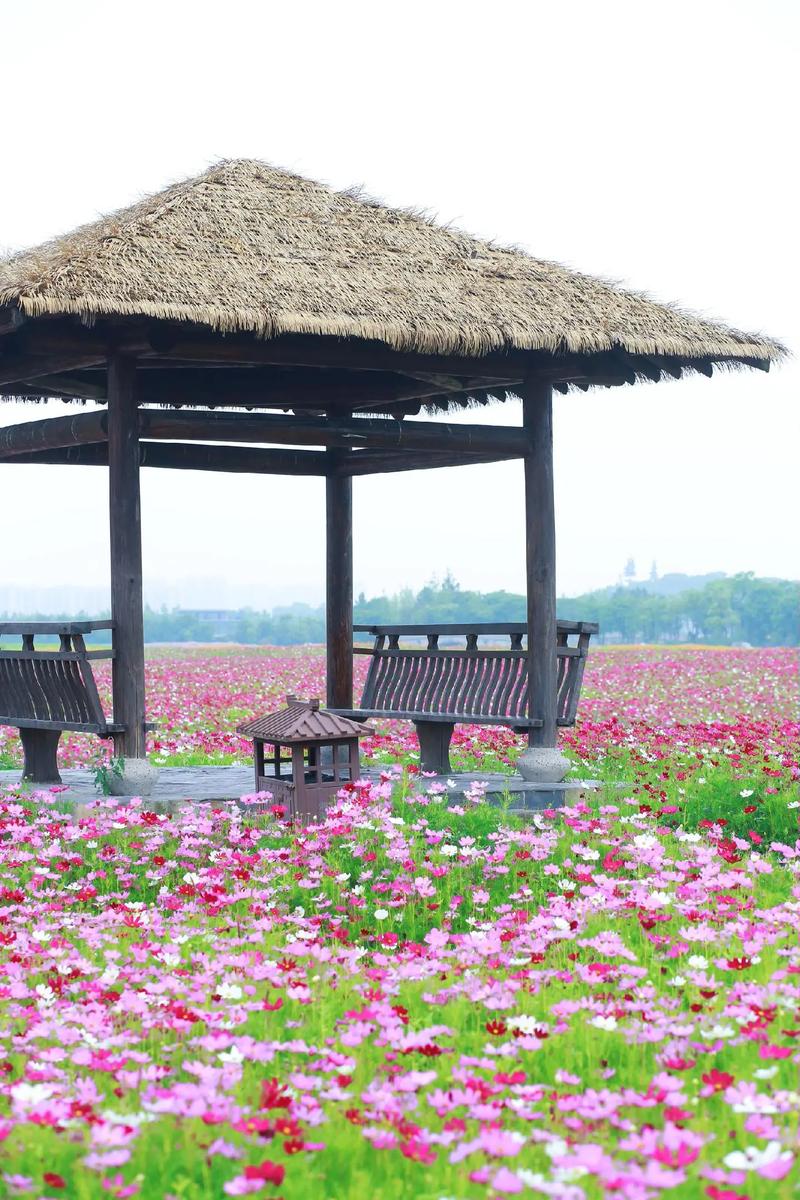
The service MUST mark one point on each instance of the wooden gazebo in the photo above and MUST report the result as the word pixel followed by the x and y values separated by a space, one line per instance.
pixel 253 307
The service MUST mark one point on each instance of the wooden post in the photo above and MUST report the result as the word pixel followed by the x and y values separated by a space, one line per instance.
pixel 537 408
pixel 339 588
pixel 126 556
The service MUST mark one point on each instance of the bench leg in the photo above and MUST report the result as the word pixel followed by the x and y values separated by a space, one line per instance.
pixel 434 745
pixel 41 748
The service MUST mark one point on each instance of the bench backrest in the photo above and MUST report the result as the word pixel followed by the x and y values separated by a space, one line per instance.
pixel 47 688
pixel 463 676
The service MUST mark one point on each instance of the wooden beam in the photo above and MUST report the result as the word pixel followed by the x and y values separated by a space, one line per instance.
pixel 74 385
pixel 339 588
pixel 126 557
pixel 173 343
pixel 251 388
pixel 540 526
pixel 235 459
pixel 377 462
pixel 53 433
pixel 176 456
pixel 68 456
pixel 343 434
pixel 17 368
pixel 11 319
pixel 347 353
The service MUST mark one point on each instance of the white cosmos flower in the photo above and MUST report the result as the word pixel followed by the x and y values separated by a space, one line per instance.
pixel 525 1024
pixel 234 1055
pixel 28 1095
pixel 606 1023
pixel 229 991
pixel 381 914
pixel 753 1159
pixel 697 962
pixel 129 1118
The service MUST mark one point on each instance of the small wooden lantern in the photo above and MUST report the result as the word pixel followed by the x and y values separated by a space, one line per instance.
pixel 323 756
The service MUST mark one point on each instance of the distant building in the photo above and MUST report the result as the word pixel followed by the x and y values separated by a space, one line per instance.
pixel 220 622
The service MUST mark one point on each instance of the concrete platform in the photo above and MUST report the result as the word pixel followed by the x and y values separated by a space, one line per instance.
pixel 177 785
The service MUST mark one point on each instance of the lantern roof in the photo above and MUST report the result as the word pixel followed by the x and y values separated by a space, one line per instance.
pixel 302 721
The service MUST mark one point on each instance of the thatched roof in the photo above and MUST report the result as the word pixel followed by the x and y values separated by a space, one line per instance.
pixel 247 247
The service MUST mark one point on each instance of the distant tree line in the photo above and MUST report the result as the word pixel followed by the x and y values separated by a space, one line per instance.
pixel 727 611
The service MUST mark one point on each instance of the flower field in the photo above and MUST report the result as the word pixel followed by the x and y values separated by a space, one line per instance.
pixel 421 997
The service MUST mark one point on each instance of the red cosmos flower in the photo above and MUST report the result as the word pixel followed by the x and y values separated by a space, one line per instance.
pixel 770 1051
pixel 53 1180
pixel 675 1158
pixel 274 1006
pixel 267 1171
pixel 718 1080
pixel 455 1125
pixel 750 808
pixel 496 1028
pixel 418 1152
pixel 739 964
pixel 273 1094
pixel 676 1115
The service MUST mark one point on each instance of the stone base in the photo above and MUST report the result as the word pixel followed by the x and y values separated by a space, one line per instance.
pixel 543 764
pixel 177 786
pixel 138 778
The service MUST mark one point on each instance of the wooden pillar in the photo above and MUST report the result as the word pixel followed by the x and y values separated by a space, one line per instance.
pixel 339 588
pixel 540 524
pixel 126 556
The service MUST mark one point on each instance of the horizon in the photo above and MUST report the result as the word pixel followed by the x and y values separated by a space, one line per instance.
pixel 161 595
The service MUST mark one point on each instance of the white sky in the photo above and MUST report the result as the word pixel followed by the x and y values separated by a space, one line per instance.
pixel 651 143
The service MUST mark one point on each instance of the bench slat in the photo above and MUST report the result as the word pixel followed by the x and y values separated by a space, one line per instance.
pixel 72 726
pixel 457 718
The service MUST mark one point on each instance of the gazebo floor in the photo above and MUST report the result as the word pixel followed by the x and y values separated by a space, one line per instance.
pixel 177 785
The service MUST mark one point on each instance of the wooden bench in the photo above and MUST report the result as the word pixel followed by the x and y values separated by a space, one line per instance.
pixel 439 686
pixel 45 691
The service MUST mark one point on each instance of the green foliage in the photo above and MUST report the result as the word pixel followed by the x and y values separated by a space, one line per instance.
pixel 726 611
pixel 103 771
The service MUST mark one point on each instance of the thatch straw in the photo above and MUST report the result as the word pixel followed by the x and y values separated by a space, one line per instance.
pixel 246 247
